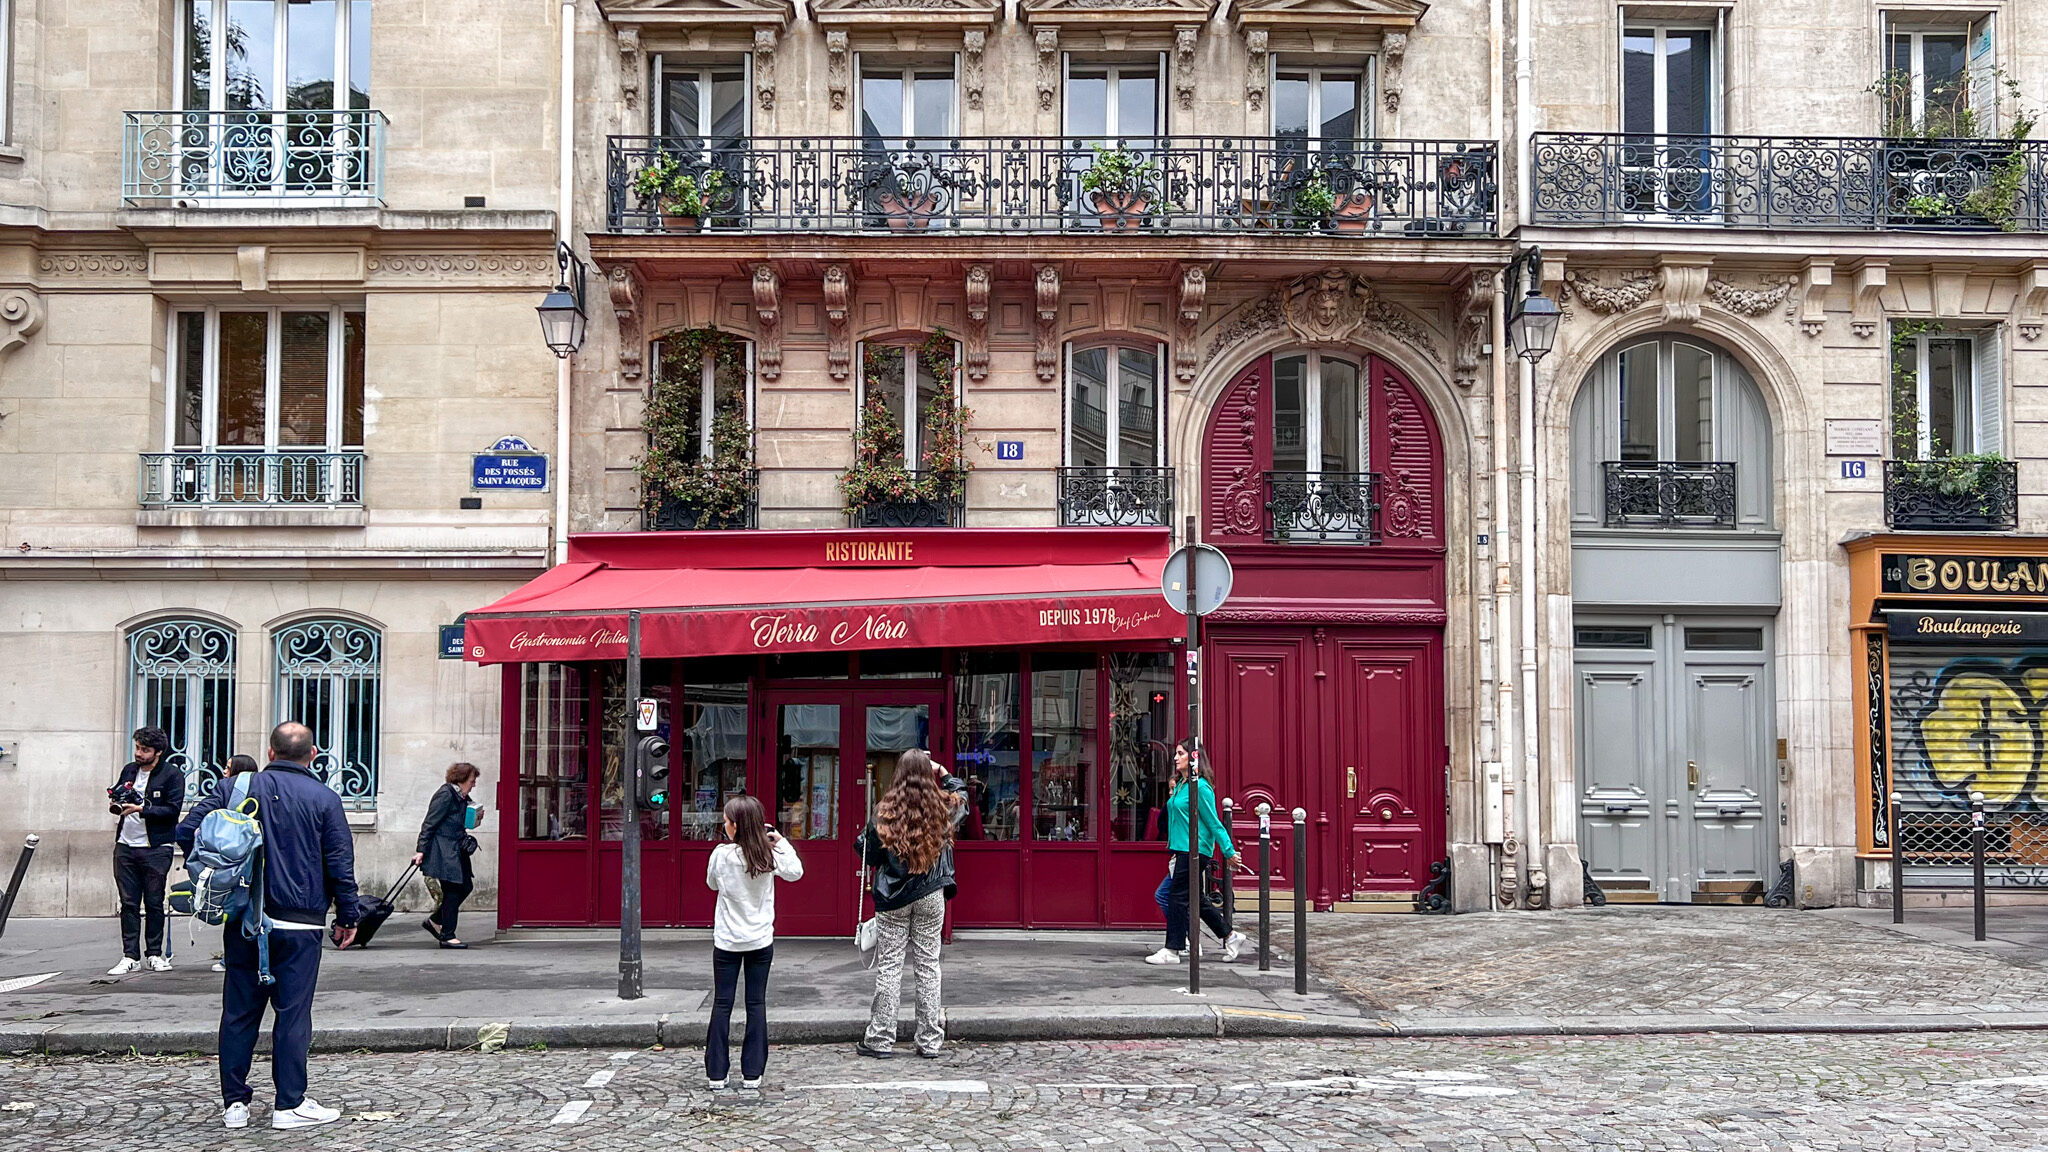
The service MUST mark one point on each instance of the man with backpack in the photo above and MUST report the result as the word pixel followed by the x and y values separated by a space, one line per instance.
pixel 303 861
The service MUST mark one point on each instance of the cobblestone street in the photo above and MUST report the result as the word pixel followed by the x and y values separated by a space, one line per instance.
pixel 1809 1092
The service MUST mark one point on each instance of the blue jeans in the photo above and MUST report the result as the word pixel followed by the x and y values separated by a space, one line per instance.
pixel 725 972
pixel 295 965
pixel 1172 898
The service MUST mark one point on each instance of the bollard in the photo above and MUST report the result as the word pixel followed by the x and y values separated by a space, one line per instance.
pixel 1977 862
pixel 1300 902
pixel 1898 866
pixel 28 852
pixel 1265 887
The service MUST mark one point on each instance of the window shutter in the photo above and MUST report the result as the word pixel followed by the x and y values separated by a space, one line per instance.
pixel 1988 390
pixel 1980 54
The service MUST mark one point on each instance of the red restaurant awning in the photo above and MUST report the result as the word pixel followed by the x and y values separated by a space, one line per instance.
pixel 735 593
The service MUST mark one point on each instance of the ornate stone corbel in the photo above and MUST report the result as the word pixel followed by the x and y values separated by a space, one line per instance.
pixel 1475 316
pixel 974 41
pixel 836 67
pixel 1867 290
pixel 1046 356
pixel 764 68
pixel 2028 306
pixel 1047 39
pixel 1814 281
pixel 1683 280
pixel 767 323
pixel 1948 282
pixel 21 316
pixel 626 294
pixel 1194 290
pixel 1255 68
pixel 1184 36
pixel 1394 47
pixel 632 65
pixel 974 344
pixel 838 321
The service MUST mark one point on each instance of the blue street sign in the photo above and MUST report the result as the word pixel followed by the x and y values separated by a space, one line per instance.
pixel 451 641
pixel 516 470
pixel 1009 449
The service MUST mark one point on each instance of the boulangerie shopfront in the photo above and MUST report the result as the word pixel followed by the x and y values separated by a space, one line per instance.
pixel 1042 665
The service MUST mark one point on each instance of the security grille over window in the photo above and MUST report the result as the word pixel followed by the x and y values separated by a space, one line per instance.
pixel 330 678
pixel 182 680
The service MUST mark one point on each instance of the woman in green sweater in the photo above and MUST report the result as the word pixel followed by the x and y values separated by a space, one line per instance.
pixel 1172 896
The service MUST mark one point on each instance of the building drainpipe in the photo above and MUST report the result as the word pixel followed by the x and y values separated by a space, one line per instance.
pixel 565 233
pixel 1508 881
pixel 1493 823
pixel 1537 877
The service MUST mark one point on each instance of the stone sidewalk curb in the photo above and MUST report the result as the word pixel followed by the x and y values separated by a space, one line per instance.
pixel 1146 1022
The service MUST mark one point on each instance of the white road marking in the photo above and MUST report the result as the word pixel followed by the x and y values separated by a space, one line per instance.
pixel 1421 1083
pixel 1468 1090
pixel 898 1086
pixel 600 1078
pixel 1438 1075
pixel 1119 1087
pixel 19 982
pixel 2010 1082
pixel 621 1057
pixel 571 1112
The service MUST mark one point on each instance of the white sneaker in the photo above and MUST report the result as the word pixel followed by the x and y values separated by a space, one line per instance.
pixel 128 964
pixel 235 1116
pixel 1163 956
pixel 219 967
pixel 307 1115
pixel 1233 946
pixel 753 1085
pixel 714 1085
pixel 159 964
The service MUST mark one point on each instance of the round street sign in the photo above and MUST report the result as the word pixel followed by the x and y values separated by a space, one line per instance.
pixel 1212 579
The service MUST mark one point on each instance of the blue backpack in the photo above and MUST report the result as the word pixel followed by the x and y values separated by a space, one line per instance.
pixel 226 867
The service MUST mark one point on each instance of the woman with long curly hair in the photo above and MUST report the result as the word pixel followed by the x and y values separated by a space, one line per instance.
pixel 909 844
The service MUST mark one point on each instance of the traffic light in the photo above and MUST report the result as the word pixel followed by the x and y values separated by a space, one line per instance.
pixel 651 772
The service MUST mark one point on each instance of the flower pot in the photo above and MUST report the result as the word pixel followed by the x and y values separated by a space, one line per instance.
pixel 908 212
pixel 677 222
pixel 1353 212
pixel 1121 211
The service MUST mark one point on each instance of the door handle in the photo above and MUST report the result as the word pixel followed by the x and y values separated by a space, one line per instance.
pixel 1350 783
pixel 1692 775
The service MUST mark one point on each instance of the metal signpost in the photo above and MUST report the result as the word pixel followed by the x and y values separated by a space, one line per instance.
pixel 629 835
pixel 1196 581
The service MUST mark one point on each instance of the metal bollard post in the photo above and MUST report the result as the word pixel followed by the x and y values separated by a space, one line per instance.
pixel 1977 862
pixel 28 852
pixel 1898 865
pixel 1300 902
pixel 1265 887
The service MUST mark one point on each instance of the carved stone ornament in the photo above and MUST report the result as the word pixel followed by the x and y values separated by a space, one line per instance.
pixel 1814 280
pixel 2028 306
pixel 632 65
pixel 1046 355
pixel 626 294
pixel 893 15
pixel 1625 294
pixel 1255 68
pixel 1326 307
pixel 1048 43
pixel 838 321
pixel 1348 14
pixel 1750 301
pixel 767 323
pixel 1868 291
pixel 1184 37
pixel 1194 289
pixel 640 15
pixel 1394 47
pixel 836 68
pixel 974 342
pixel 973 43
pixel 1475 318
pixel 1684 284
pixel 764 68
pixel 21 316
pixel 1116 15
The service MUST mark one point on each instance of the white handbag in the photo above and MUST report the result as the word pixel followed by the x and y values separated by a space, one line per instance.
pixel 866 932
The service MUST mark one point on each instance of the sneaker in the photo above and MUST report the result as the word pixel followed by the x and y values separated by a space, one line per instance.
pixel 861 1046
pixel 753 1085
pixel 219 967
pixel 714 1085
pixel 128 964
pixel 235 1116
pixel 159 963
pixel 1233 946
pixel 931 1053
pixel 307 1115
pixel 1163 956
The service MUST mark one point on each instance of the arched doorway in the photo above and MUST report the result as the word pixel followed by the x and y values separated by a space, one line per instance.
pixel 1323 482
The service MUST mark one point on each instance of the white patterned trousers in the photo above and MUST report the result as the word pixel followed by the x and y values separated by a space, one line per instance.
pixel 913 929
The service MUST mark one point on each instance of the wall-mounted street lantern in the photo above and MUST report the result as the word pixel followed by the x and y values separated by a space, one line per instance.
pixel 562 318
pixel 1532 326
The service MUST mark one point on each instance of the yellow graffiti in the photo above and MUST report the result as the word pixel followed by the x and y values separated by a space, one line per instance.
pixel 1982 735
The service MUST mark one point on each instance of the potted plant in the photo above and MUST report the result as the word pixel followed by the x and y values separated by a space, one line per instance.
pixel 1950 165
pixel 1122 185
pixel 679 488
pixel 881 488
pixel 1352 211
pixel 679 196
pixel 909 189
pixel 1313 203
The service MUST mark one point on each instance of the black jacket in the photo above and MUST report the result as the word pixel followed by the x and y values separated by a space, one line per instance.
pixel 441 836
pixel 161 805
pixel 309 858
pixel 896 886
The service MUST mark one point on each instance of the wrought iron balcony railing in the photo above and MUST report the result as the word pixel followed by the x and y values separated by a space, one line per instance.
pixel 1122 497
pixel 670 513
pixel 1955 495
pixel 1791 182
pixel 1188 184
pixel 921 509
pixel 1670 494
pixel 1328 508
pixel 246 478
pixel 278 158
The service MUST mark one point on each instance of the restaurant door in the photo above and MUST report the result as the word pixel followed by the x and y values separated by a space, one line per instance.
pixel 826 755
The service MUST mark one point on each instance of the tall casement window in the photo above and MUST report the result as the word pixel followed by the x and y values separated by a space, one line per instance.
pixel 1112 101
pixel 906 380
pixel 276 96
pixel 1947 394
pixel 1318 426
pixel 1941 76
pixel 1317 108
pixel 330 677
pixel 1115 413
pixel 701 100
pixel 705 386
pixel 901 102
pixel 554 752
pixel 1670 96
pixel 181 678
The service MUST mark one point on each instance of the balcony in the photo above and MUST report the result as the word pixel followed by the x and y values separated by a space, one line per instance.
pixel 1669 494
pixel 1116 497
pixel 736 507
pixel 920 501
pixel 1955 494
pixel 1026 185
pixel 1791 182
pixel 1328 508
pixel 253 159
pixel 251 479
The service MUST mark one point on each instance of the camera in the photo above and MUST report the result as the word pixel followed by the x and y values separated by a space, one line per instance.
pixel 121 794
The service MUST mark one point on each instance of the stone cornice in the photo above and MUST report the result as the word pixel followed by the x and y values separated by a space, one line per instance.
pixel 1116 14
pixel 698 13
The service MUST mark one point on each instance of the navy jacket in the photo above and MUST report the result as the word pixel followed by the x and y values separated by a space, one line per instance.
pixel 160 805
pixel 309 859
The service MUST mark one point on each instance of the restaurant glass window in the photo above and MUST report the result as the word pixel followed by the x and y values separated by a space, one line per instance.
pixel 986 748
pixel 807 771
pixel 901 664
pixel 808 666
pixel 553 752
pixel 182 680
pixel 1141 729
pixel 616 715
pixel 892 730
pixel 709 765
pixel 1063 746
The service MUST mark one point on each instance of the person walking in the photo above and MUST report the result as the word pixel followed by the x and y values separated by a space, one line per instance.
pixel 444 848
pixel 907 844
pixel 743 872
pixel 307 863
pixel 1172 896
pixel 145 800
pixel 189 827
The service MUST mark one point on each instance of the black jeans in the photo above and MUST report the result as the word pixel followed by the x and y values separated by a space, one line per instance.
pixel 295 966
pixel 452 896
pixel 139 874
pixel 1172 898
pixel 725 970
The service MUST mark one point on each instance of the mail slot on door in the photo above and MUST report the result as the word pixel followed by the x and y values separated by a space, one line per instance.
pixel 1614 803
pixel 1729 806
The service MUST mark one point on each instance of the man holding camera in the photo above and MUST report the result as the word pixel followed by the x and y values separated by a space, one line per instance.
pixel 148 799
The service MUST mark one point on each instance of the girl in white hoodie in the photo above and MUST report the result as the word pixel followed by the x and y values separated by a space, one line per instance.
pixel 743 872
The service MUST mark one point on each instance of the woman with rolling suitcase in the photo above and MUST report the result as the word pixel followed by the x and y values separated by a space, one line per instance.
pixel 444 848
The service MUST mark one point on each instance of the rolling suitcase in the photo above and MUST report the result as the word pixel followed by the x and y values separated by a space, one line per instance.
pixel 375 912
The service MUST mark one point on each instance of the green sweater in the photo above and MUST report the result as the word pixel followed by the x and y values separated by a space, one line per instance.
pixel 1213 831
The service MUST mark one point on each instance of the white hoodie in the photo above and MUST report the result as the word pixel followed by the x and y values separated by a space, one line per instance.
pixel 745 920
